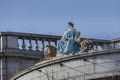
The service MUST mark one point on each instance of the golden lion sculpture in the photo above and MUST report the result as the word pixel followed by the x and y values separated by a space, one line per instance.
pixel 85 44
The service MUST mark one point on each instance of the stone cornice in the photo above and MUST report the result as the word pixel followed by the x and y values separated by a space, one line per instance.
pixel 21 53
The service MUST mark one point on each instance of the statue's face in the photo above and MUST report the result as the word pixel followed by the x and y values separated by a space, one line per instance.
pixel 69 26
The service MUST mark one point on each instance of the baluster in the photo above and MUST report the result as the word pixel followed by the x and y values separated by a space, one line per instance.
pixel 49 42
pixel 23 44
pixel 113 44
pixel 18 45
pixel 37 46
pixel 96 47
pixel 30 45
pixel 43 44
pixel 55 42
pixel 102 46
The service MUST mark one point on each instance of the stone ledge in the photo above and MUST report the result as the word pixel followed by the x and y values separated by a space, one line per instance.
pixel 21 53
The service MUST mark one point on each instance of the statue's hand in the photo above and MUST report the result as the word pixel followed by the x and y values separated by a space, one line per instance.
pixel 65 39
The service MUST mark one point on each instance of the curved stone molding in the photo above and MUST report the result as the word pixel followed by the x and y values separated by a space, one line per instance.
pixel 86 66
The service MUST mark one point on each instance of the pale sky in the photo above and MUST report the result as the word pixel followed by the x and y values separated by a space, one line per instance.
pixel 93 18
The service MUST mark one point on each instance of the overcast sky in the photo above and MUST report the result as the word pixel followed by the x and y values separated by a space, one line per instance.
pixel 93 18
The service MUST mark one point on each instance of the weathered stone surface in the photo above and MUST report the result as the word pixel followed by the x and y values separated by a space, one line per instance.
pixel 101 64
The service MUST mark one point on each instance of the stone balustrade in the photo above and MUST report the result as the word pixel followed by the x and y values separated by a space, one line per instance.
pixel 26 41
pixel 35 42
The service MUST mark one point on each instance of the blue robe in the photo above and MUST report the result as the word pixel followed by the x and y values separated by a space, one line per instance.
pixel 68 46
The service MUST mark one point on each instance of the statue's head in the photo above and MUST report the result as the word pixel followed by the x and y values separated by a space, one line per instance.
pixel 70 25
